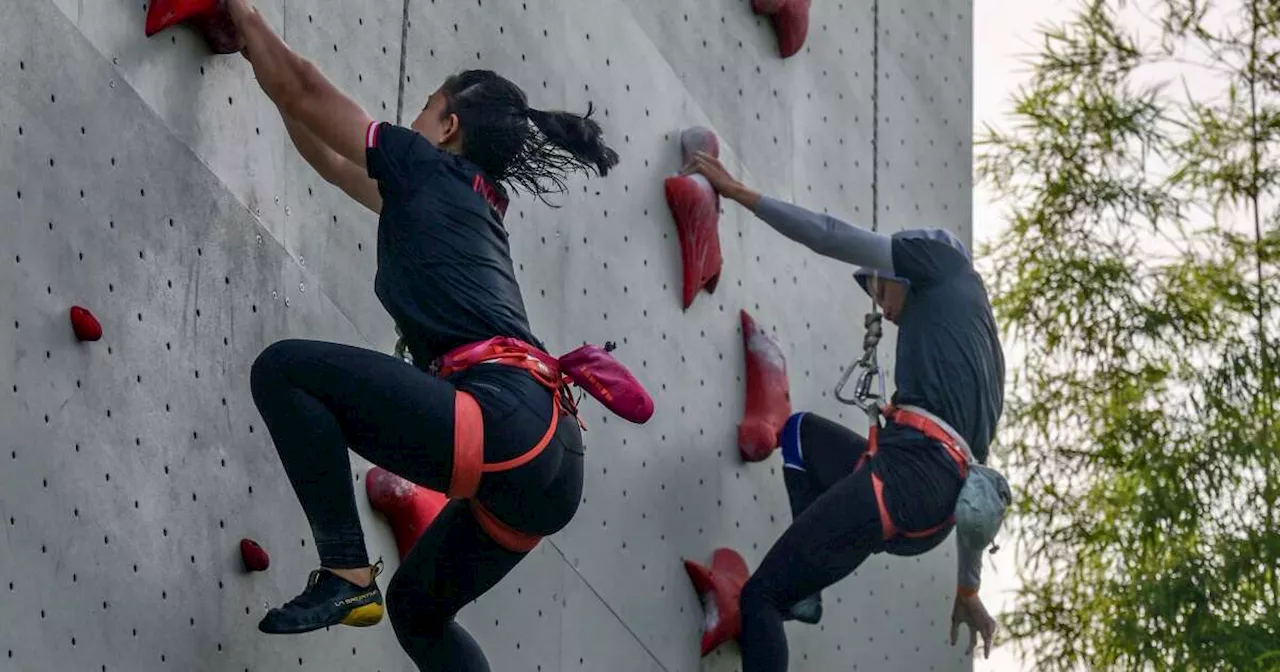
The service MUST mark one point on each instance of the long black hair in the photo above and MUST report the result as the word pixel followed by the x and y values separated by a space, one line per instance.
pixel 518 146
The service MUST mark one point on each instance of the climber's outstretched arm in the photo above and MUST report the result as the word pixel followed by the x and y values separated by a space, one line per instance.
pixel 298 87
pixel 821 233
pixel 333 167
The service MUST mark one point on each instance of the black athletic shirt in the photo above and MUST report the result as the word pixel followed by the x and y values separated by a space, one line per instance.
pixel 444 259
pixel 949 357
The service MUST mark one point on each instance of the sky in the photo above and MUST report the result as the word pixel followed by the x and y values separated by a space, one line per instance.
pixel 1004 33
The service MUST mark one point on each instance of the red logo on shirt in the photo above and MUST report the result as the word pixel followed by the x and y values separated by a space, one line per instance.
pixel 495 199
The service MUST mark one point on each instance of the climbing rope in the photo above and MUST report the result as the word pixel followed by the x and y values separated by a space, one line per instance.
pixel 868 364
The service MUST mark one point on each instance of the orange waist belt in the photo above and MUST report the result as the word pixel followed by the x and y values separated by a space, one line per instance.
pixel 930 429
pixel 468 429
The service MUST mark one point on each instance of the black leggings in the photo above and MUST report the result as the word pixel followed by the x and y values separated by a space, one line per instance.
pixel 318 399
pixel 836 522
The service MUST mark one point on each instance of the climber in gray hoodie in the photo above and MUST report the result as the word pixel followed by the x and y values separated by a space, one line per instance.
pixel 901 491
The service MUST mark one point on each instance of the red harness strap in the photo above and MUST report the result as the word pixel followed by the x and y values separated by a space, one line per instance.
pixel 930 429
pixel 468 428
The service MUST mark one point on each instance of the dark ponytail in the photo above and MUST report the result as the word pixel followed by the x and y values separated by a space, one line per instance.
pixel 518 146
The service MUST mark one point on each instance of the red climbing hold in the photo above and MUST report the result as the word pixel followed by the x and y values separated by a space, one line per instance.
pixel 409 508
pixel 85 325
pixel 768 393
pixel 790 22
pixel 208 17
pixel 719 587
pixel 696 207
pixel 255 558
pixel 767 7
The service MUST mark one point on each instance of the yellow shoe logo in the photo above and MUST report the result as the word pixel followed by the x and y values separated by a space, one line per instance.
pixel 354 600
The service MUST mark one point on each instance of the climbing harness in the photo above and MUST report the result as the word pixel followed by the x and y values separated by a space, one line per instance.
pixel 932 427
pixel 589 367
pixel 468 427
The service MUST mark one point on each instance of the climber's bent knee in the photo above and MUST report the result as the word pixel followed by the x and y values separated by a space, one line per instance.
pixel 272 364
pixel 792 455
pixel 267 364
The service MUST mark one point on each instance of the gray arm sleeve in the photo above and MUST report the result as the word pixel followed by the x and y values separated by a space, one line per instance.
pixel 828 236
pixel 969 561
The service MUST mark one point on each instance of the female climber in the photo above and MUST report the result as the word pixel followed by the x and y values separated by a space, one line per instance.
pixel 482 422
pixel 899 492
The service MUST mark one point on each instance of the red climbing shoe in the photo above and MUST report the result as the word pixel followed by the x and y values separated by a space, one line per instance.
pixel 207 16
pixel 85 325
pixel 696 207
pixel 409 508
pixel 768 393
pixel 719 587
pixel 790 22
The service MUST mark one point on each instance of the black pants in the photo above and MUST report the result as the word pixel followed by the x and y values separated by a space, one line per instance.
pixel 836 521
pixel 318 399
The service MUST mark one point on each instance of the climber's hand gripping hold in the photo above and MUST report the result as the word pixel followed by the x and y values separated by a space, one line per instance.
pixel 328 128
pixel 724 183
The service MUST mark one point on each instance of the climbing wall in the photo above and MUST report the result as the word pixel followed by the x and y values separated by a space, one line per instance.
pixel 154 185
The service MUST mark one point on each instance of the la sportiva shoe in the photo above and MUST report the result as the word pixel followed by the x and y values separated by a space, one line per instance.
pixel 808 610
pixel 328 600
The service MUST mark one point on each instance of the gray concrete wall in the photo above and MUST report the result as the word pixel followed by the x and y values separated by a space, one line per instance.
pixel 155 185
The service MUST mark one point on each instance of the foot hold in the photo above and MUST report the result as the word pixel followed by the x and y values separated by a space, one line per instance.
pixel 85 325
pixel 719 587
pixel 790 22
pixel 254 556
pixel 768 402
pixel 409 508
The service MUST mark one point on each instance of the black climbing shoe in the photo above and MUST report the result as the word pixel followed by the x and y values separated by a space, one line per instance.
pixel 808 610
pixel 328 600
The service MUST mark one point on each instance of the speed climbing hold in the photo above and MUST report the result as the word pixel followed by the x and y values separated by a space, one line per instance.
pixel 409 508
pixel 768 402
pixel 790 22
pixel 719 588
pixel 208 17
pixel 696 207
pixel 85 325
pixel 254 557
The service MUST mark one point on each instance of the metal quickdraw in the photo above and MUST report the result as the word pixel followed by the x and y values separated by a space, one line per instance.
pixel 869 372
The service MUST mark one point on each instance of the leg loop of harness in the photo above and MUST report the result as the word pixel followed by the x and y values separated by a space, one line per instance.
pixel 511 539
pixel 930 429
pixel 468 448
